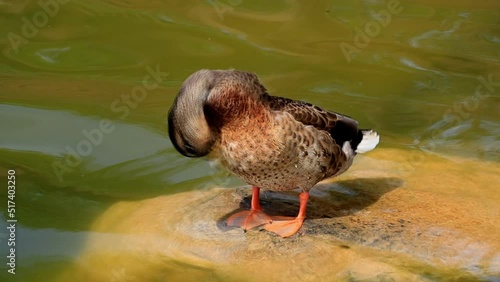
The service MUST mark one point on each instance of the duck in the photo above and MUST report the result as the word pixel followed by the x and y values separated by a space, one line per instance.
pixel 269 142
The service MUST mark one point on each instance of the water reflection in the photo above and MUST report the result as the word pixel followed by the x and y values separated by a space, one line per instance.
pixel 23 123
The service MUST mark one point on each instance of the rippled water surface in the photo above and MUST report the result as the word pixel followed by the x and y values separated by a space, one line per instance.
pixel 85 87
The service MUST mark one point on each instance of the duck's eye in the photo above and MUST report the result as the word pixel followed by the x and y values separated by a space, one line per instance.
pixel 190 149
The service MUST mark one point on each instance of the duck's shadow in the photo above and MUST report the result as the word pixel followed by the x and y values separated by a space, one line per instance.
pixel 328 200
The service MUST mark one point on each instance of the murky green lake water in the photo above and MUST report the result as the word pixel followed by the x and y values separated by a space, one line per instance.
pixel 85 87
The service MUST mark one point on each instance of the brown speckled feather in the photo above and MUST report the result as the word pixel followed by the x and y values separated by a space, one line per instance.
pixel 342 128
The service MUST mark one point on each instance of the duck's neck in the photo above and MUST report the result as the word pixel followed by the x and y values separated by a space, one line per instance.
pixel 230 110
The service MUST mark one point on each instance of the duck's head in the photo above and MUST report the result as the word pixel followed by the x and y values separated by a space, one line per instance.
pixel 204 100
pixel 188 128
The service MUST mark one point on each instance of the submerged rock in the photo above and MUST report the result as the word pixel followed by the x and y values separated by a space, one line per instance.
pixel 389 218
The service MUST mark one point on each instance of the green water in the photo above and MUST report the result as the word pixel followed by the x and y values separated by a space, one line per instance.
pixel 85 87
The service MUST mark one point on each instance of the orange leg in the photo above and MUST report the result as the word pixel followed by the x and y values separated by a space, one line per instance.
pixel 287 226
pixel 252 218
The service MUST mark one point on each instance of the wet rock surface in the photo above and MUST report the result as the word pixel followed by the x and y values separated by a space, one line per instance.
pixel 382 221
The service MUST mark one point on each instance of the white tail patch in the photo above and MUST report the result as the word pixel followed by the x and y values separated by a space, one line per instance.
pixel 369 141
pixel 347 149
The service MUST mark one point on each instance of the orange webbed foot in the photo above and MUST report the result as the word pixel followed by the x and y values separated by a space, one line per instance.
pixel 252 218
pixel 284 227
pixel 248 219
pixel 287 226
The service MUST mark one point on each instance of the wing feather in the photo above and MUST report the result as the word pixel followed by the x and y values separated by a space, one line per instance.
pixel 340 127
